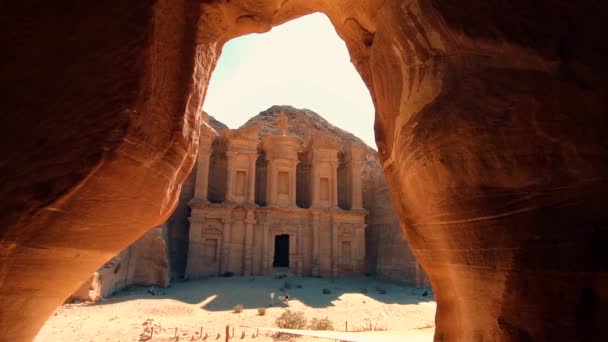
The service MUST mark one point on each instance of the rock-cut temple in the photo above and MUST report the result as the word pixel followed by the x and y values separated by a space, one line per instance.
pixel 267 201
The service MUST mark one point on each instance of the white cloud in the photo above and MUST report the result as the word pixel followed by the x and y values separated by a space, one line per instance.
pixel 302 63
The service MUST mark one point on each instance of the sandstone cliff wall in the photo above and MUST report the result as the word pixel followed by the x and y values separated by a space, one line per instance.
pixel 143 263
pixel 388 254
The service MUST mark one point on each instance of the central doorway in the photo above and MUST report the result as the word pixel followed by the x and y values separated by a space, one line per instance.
pixel 281 251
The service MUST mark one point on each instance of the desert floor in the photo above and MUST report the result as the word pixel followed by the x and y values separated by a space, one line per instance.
pixel 186 308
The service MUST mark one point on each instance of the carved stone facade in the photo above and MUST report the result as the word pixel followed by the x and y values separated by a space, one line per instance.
pixel 274 200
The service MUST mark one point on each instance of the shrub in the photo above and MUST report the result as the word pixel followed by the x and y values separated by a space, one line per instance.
pixel 321 324
pixel 281 289
pixel 380 290
pixel 228 274
pixel 261 311
pixel 287 285
pixel 364 290
pixel 326 291
pixel 238 308
pixel 291 320
pixel 299 286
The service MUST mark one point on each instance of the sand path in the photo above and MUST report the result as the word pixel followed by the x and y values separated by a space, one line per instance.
pixel 208 303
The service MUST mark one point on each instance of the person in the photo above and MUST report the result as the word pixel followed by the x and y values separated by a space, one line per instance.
pixel 271 300
pixel 286 299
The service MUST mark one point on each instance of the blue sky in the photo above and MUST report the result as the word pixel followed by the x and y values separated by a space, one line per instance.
pixel 302 63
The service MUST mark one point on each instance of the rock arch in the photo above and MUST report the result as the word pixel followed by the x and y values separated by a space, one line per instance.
pixel 490 122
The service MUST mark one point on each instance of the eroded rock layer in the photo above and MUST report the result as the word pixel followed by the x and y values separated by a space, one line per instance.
pixel 490 122
pixel 143 263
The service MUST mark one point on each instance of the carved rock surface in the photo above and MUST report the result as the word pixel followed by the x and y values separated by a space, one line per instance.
pixel 178 224
pixel 387 252
pixel 143 263
pixel 490 122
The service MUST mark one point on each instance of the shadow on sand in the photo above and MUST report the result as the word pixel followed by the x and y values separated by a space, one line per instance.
pixel 221 294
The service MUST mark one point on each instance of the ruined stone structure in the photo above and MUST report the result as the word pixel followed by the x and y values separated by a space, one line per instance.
pixel 274 200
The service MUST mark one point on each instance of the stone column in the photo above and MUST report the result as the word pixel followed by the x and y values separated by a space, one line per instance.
pixel 193 263
pixel 230 176
pixel 314 184
pixel 315 244
pixel 202 169
pixel 270 183
pixel 334 247
pixel 292 184
pixel 251 181
pixel 356 189
pixel 334 185
pixel 247 256
pixel 299 251
pixel 225 257
pixel 264 257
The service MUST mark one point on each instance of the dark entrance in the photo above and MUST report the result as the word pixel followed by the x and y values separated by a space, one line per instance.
pixel 281 251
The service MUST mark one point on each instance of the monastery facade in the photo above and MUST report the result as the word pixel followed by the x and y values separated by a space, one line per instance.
pixel 276 201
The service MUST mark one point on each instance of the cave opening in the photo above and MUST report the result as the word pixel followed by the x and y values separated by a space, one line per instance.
pixel 452 83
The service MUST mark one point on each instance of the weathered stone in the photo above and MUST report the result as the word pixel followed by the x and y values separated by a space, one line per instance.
pixel 142 263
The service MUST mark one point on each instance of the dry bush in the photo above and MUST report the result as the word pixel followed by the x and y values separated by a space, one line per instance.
pixel 238 308
pixel 321 324
pixel 291 320
pixel 261 311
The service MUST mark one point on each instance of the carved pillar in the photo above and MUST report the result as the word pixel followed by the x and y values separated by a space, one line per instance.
pixel 334 247
pixel 225 257
pixel 264 257
pixel 193 264
pixel 251 181
pixel 314 184
pixel 230 176
pixel 315 244
pixel 356 190
pixel 271 183
pixel 292 184
pixel 334 185
pixel 202 168
pixel 247 256
pixel 355 161
pixel 299 251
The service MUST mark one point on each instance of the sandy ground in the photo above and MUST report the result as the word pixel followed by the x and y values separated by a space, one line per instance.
pixel 185 308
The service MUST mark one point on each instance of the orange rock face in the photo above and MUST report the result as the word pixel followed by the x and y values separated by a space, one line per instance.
pixel 490 121
pixel 143 263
